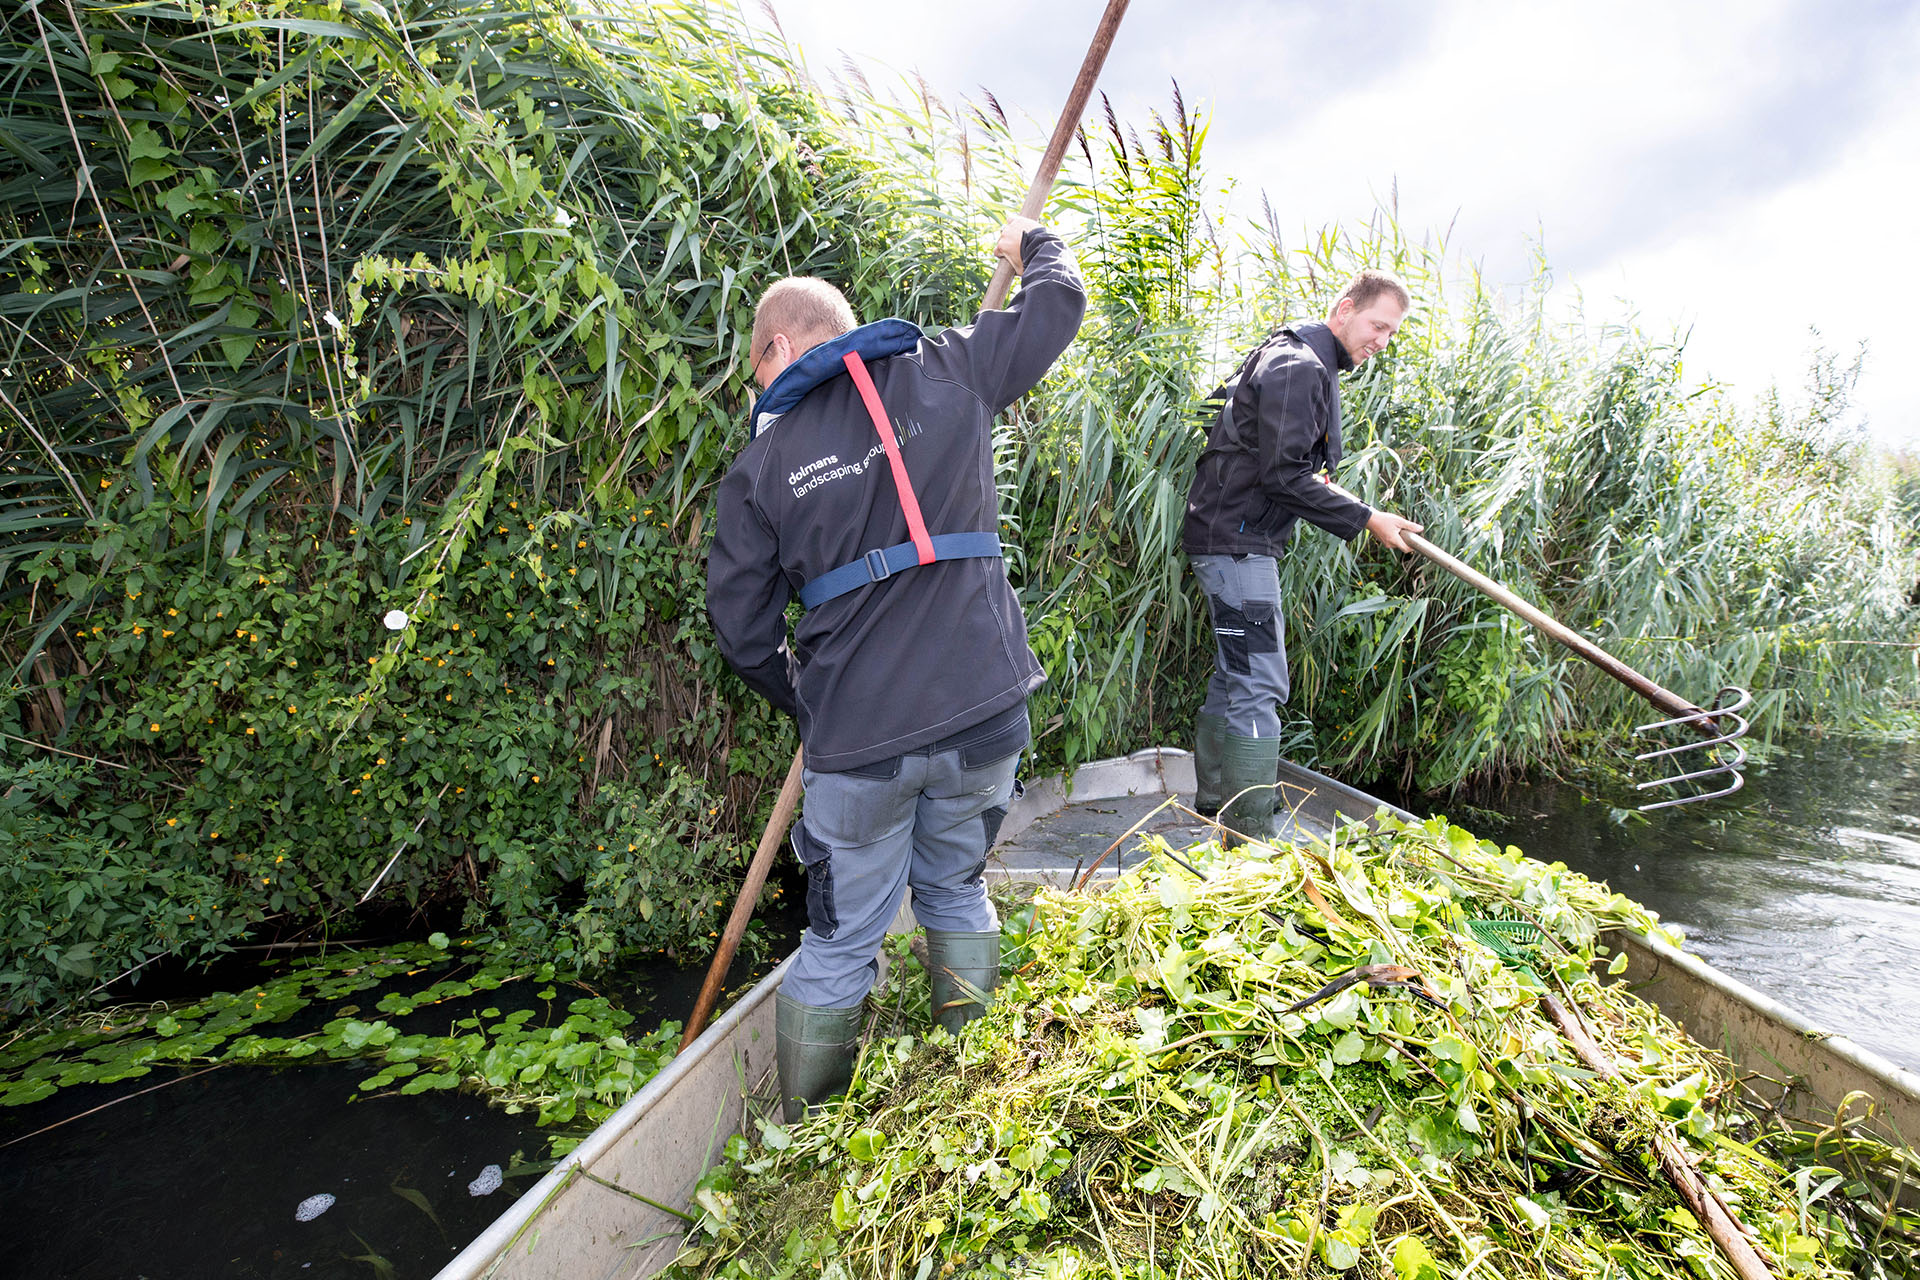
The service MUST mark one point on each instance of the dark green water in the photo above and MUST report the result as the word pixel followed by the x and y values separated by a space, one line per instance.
pixel 204 1176
pixel 1805 885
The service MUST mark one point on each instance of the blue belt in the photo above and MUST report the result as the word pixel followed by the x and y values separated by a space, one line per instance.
pixel 878 565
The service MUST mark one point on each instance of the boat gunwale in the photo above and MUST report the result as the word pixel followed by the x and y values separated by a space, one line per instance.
pixel 1154 769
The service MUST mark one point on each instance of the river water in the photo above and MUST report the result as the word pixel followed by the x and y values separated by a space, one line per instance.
pixel 252 1173
pixel 1804 885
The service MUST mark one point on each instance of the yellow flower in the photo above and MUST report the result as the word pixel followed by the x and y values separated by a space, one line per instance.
pixel 365 777
pixel 173 822
pixel 249 731
pixel 104 483
pixel 138 630
pixel 536 777
pixel 280 857
pixel 293 711
pixel 356 791
pixel 213 835
pixel 380 760
pixel 173 613
pixel 165 634
pixel 153 728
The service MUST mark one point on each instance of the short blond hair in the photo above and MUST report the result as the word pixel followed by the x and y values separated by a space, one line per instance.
pixel 805 308
pixel 1367 287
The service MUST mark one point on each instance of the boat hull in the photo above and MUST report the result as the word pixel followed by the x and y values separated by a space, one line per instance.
pixel 590 1217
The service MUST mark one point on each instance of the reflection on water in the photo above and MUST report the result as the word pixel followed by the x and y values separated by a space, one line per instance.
pixel 1806 885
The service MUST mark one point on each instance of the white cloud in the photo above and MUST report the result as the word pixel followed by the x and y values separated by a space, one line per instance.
pixel 1742 167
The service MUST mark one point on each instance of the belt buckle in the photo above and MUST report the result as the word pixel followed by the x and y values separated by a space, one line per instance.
pixel 876 561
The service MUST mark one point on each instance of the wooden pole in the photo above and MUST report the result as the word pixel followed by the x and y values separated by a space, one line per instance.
pixel 1665 699
pixel 1063 132
pixel 770 841
pixel 1707 1207
pixel 789 798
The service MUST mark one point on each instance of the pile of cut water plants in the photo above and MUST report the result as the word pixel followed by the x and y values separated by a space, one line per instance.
pixel 1312 1060
pixel 468 1020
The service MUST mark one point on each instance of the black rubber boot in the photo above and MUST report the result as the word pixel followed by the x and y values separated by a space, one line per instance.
pixel 962 968
pixel 1209 745
pixel 1250 763
pixel 814 1050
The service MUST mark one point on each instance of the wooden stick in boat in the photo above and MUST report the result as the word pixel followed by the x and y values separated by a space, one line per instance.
pixel 1699 1198
pixel 789 798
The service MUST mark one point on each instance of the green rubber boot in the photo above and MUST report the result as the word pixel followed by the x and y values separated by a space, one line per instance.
pixel 1209 743
pixel 814 1050
pixel 963 969
pixel 1250 762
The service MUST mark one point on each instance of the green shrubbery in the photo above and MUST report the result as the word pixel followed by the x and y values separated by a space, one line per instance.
pixel 439 308
pixel 266 775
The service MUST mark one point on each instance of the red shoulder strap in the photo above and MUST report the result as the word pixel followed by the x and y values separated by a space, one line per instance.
pixel 916 525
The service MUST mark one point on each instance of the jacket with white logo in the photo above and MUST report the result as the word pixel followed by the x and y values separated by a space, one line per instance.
pixel 935 649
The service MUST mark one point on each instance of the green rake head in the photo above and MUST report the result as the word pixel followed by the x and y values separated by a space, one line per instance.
pixel 1516 942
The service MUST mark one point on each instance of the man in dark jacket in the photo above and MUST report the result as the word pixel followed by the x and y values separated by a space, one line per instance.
pixel 1268 464
pixel 867 492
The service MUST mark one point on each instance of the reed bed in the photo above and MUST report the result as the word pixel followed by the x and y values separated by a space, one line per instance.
pixel 314 313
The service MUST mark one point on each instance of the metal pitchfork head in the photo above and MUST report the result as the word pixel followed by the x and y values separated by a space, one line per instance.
pixel 1712 722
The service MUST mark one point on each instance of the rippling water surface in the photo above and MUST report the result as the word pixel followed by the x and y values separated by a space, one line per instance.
pixel 1805 885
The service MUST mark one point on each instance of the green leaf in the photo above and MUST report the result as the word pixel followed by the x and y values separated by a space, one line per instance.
pixel 866 1145
pixel 145 171
pixel 1413 1261
pixel 144 143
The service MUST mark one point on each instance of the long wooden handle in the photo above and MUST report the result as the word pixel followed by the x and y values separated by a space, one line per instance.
pixel 770 841
pixel 789 799
pixel 1063 131
pixel 1665 699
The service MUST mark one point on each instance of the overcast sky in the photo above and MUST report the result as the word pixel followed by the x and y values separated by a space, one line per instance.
pixel 1746 170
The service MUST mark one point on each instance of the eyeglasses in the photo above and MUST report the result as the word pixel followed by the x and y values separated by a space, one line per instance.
pixel 763 354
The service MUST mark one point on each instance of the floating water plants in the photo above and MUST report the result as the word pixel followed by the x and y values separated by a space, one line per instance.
pixel 1297 1061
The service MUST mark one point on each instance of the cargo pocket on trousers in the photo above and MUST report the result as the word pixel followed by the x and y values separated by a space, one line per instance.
pixel 1263 630
pixel 1230 633
pixel 991 819
pixel 817 858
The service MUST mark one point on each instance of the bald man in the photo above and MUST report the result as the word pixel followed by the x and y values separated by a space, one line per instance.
pixel 867 493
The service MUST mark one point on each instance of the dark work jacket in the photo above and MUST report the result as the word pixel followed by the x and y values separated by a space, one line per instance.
pixel 1266 451
pixel 906 662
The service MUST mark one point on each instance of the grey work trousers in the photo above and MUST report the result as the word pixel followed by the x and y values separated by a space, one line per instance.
pixel 1249 680
pixel 919 822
